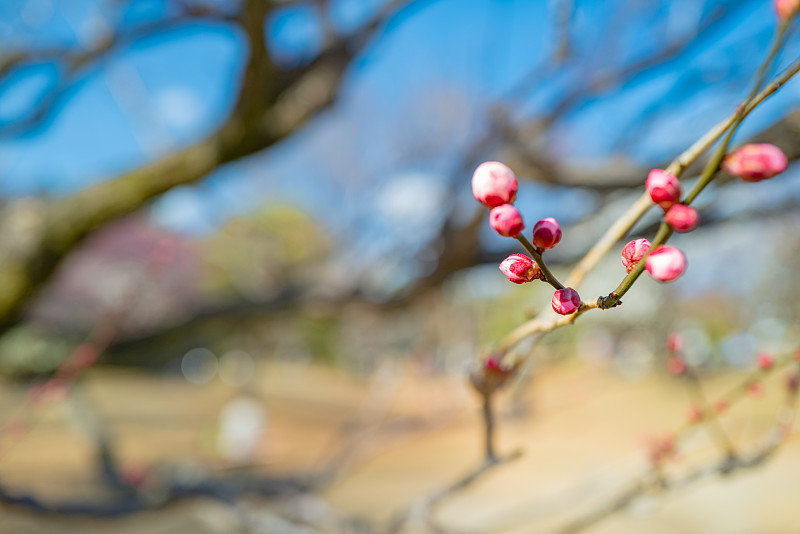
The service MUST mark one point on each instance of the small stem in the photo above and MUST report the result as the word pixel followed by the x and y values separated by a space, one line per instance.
pixel 548 276
pixel 613 299
pixel 715 427
pixel 488 427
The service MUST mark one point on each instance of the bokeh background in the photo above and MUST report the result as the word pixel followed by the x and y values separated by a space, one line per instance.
pixel 243 279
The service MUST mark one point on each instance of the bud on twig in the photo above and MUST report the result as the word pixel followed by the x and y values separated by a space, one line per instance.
pixel 506 220
pixel 494 184
pixel 755 162
pixel 633 252
pixel 682 218
pixel 666 264
pixel 519 269
pixel 546 233
pixel 566 301
pixel 664 188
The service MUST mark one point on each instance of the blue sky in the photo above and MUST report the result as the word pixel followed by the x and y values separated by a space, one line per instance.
pixel 410 105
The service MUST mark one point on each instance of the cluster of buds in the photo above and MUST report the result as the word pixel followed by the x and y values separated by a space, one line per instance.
pixel 495 186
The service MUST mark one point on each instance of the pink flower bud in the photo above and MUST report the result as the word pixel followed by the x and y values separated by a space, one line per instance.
pixel 786 9
pixel 665 264
pixel 682 218
pixel 764 361
pixel 546 233
pixel 721 406
pixel 696 414
pixel 566 301
pixel 756 389
pixel 519 269
pixel 664 188
pixel 755 162
pixel 675 365
pixel 675 342
pixel 633 253
pixel 494 184
pixel 493 365
pixel 507 220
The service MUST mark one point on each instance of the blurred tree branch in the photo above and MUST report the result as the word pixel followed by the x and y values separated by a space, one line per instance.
pixel 271 104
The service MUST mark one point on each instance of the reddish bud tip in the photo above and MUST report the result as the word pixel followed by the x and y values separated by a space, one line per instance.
pixel 765 361
pixel 506 220
pixel 676 366
pixel 519 269
pixel 566 301
pixel 786 9
pixel 661 448
pixel 666 264
pixel 675 342
pixel 492 365
pixel 664 188
pixel 682 218
pixel 546 233
pixel 756 389
pixel 633 253
pixel 755 162
pixel 494 184
pixel 695 414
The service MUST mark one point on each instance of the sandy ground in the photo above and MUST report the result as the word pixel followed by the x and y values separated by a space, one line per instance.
pixel 580 429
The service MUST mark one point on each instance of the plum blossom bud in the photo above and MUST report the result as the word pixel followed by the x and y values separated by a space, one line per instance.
pixel 664 188
pixel 675 365
pixel 546 233
pixel 786 9
pixel 765 361
pixel 661 448
pixel 494 184
pixel 519 269
pixel 566 301
pixel 506 220
pixel 721 406
pixel 755 162
pixel 665 264
pixel 695 414
pixel 682 218
pixel 633 252
pixel 756 389
pixel 675 342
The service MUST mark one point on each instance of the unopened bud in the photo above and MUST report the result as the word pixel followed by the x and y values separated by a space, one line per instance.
pixel 755 162
pixel 675 342
pixel 675 365
pixel 494 184
pixel 566 301
pixel 506 220
pixel 756 389
pixel 786 9
pixel 696 414
pixel 633 253
pixel 519 269
pixel 664 188
pixel 682 218
pixel 546 233
pixel 665 264
pixel 765 361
